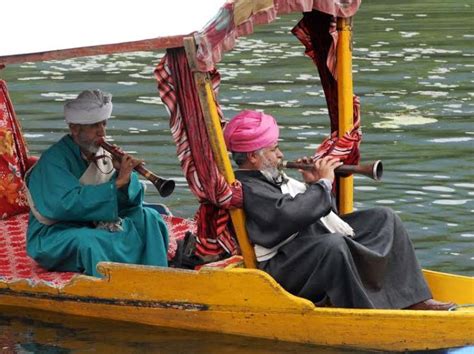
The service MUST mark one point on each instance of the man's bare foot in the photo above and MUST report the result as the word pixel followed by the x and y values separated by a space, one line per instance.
pixel 431 304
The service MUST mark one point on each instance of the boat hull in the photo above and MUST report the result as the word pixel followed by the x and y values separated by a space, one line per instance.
pixel 249 303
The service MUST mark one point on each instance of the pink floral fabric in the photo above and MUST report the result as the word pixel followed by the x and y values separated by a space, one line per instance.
pixel 13 159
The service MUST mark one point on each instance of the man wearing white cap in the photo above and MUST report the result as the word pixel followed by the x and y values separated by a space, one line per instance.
pixel 87 207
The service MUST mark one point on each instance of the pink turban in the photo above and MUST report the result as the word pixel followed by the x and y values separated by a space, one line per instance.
pixel 250 131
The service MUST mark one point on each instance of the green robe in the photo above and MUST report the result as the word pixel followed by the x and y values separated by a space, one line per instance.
pixel 73 243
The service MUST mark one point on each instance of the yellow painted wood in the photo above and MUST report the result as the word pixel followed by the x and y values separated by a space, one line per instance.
pixel 388 331
pixel 237 215
pixel 446 287
pixel 249 302
pixel 216 133
pixel 221 156
pixel 345 104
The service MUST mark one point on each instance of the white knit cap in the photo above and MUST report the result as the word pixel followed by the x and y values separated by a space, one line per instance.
pixel 90 107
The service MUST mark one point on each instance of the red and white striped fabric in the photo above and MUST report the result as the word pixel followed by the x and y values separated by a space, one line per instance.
pixel 236 19
pixel 345 148
pixel 177 89
pixel 317 31
pixel 177 228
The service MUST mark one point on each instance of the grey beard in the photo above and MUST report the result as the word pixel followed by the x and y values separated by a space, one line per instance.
pixel 277 178
pixel 92 148
pixel 270 169
pixel 272 173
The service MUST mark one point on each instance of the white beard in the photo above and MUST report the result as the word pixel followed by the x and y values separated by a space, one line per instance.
pixel 269 169
pixel 272 172
pixel 87 146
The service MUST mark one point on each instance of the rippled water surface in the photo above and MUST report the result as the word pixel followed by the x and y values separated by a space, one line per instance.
pixel 413 69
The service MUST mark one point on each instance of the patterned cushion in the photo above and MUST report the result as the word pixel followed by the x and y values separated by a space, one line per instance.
pixel 15 264
pixel 177 228
pixel 13 160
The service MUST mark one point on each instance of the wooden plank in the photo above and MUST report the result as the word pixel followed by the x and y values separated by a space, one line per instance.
pixel 144 45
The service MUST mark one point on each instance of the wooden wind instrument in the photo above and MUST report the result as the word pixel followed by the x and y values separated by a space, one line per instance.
pixel 164 186
pixel 373 170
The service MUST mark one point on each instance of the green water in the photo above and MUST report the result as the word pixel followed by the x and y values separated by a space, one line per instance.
pixel 413 70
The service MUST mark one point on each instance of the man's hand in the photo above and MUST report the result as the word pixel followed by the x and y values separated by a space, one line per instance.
pixel 125 168
pixel 323 168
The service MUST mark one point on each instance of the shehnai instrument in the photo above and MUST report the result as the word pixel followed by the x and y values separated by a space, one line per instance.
pixel 164 186
pixel 373 170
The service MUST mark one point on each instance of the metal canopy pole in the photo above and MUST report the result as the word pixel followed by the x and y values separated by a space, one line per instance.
pixel 216 138
pixel 345 103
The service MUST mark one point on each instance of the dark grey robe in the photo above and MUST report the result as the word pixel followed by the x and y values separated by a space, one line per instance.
pixel 375 269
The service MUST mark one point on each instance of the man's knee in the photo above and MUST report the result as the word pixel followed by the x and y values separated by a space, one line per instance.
pixel 87 245
pixel 383 213
pixel 336 245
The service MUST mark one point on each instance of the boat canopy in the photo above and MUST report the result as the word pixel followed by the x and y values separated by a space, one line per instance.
pixel 188 79
pixel 48 30
pixel 49 25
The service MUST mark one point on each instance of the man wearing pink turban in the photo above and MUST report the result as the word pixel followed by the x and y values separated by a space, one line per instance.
pixel 361 260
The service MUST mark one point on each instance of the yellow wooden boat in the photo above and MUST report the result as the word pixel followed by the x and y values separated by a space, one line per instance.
pixel 249 302
pixel 234 300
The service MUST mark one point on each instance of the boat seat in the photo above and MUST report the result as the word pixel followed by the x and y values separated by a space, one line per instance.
pixel 16 265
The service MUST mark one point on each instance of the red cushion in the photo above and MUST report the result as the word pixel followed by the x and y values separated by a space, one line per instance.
pixel 13 159
pixel 15 264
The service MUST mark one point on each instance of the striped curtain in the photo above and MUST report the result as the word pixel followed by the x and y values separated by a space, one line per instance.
pixel 317 31
pixel 177 90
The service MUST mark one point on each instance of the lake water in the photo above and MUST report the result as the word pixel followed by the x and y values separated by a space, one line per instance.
pixel 413 70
